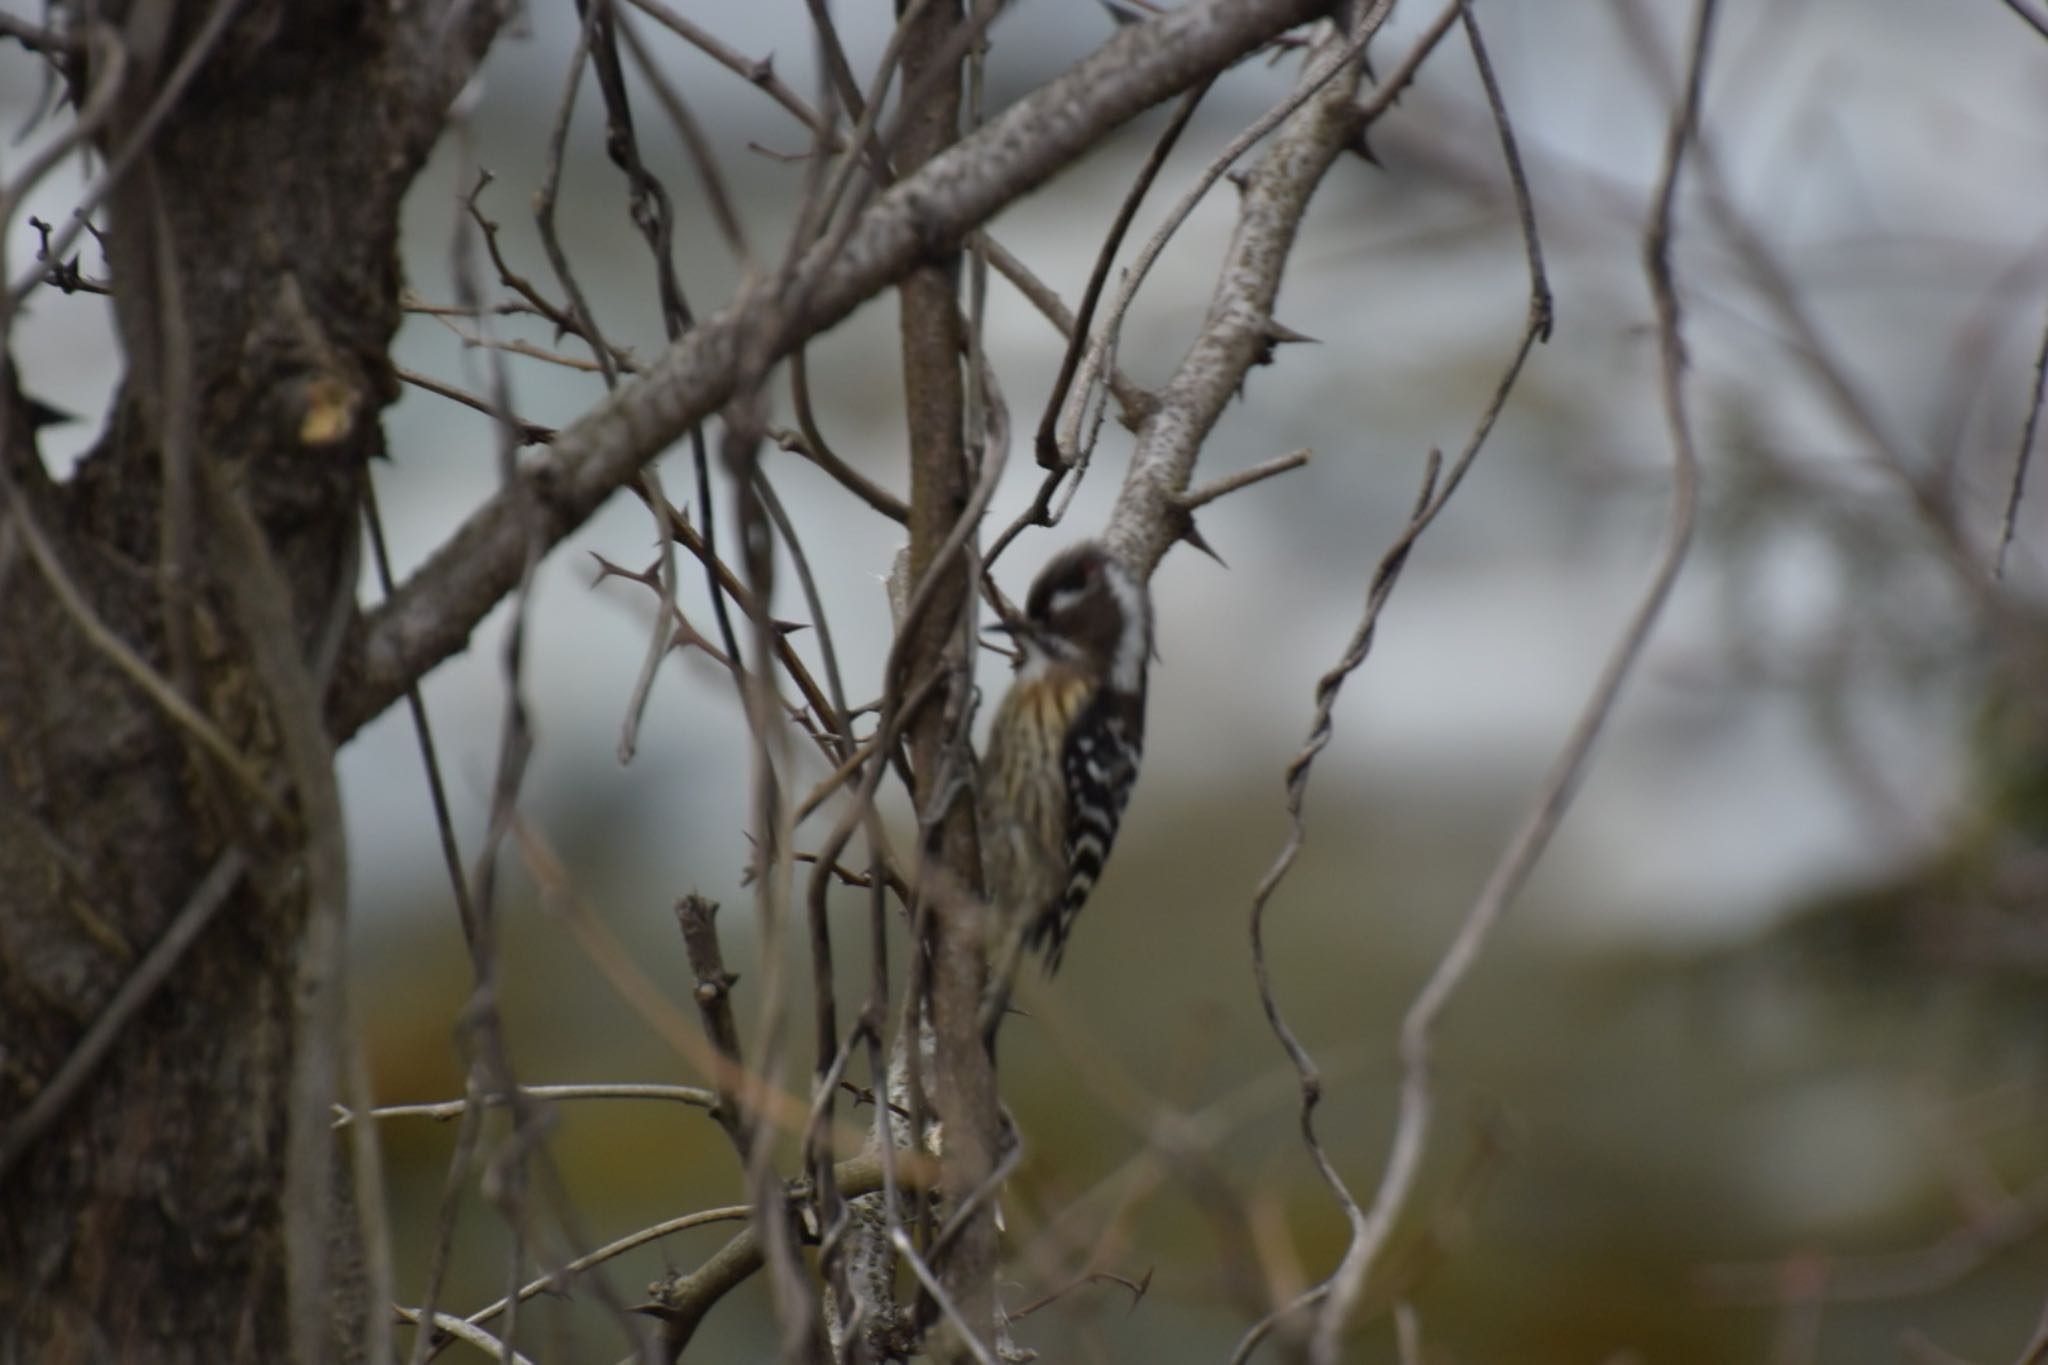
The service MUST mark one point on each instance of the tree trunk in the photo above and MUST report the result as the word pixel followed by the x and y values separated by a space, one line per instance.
pixel 253 250
pixel 934 345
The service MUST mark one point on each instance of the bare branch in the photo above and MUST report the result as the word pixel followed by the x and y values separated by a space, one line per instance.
pixel 294 693
pixel 698 920
pixel 135 992
pixel 1244 478
pixel 809 444
pixel 2020 460
pixel 530 433
pixel 1316 123
pixel 1321 730
pixel 36 38
pixel 2037 22
pixel 137 669
pixel 1412 1123
pixel 681 1301
pixel 431 616
pixel 1046 446
pixel 445 1110
pixel 471 1334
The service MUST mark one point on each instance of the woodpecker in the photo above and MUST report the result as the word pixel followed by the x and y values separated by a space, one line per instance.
pixel 1062 753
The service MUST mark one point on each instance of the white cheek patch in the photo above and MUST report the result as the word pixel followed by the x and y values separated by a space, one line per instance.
pixel 1062 601
pixel 1127 670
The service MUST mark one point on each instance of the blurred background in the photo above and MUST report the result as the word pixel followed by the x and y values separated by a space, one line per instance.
pixel 1757 1069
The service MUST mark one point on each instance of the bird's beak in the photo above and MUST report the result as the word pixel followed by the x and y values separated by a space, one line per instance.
pixel 1021 632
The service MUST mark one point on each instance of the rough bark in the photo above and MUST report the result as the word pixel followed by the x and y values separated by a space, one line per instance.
pixel 963 1088
pixel 253 251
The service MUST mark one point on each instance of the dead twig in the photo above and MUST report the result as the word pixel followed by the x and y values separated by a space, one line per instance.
pixel 2009 521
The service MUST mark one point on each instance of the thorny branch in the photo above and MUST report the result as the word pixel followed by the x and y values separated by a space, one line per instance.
pixel 431 615
pixel 885 214
pixel 1316 124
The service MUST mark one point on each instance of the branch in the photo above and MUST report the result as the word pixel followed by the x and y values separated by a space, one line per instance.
pixel 1244 478
pixel 134 992
pixel 443 1110
pixel 1238 331
pixel 432 614
pixel 2009 522
pixel 1532 837
pixel 698 919
pixel 681 1301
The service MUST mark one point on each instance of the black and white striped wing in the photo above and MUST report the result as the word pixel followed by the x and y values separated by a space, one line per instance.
pixel 1100 763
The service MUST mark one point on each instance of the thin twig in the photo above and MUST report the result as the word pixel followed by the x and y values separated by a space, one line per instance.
pixel 108 61
pixel 471 1334
pixel 295 697
pixel 134 667
pixel 2020 460
pixel 444 1110
pixel 760 73
pixel 432 615
pixel 1338 59
pixel 810 443
pixel 2036 22
pixel 373 1209
pixel 548 197
pixel 697 917
pixel 1396 84
pixel 36 38
pixel 702 154
pixel 507 1174
pixel 195 54
pixel 1131 396
pixel 1244 478
pixel 1347 1275
pixel 661 638
pixel 134 992
pixel 1046 445
pixel 967 1335
pixel 1408 1333
pixel 1416 1104
pixel 530 433
pixel 653 1232
pixel 620 358
pixel 1525 206
pixel 681 1301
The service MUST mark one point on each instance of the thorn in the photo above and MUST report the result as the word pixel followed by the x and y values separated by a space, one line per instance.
pixel 1276 334
pixel 789 627
pixel 1280 334
pixel 41 414
pixel 1362 149
pixel 1122 16
pixel 1194 538
pixel 607 569
pixel 1241 180
pixel 1186 530
pixel 763 71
